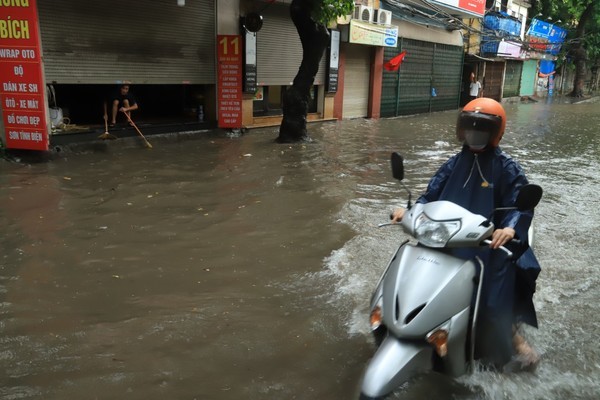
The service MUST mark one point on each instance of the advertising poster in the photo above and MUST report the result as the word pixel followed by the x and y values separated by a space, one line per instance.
pixel 469 7
pixel 546 37
pixel 229 81
pixel 250 72
pixel 22 88
pixel 373 35
pixel 334 62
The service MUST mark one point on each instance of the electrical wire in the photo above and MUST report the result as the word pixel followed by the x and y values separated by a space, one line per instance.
pixel 444 18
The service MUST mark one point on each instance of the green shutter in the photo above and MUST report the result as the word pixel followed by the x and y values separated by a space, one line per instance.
pixel 528 78
pixel 426 66
pixel 512 78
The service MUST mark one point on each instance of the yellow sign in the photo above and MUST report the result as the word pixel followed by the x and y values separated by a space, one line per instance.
pixel 373 34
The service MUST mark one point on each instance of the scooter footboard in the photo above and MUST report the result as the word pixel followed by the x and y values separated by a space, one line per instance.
pixel 394 363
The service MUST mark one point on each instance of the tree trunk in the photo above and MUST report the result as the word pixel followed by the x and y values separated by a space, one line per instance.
pixel 579 57
pixel 579 53
pixel 314 38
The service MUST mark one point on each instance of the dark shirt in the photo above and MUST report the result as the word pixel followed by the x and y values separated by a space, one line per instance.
pixel 129 97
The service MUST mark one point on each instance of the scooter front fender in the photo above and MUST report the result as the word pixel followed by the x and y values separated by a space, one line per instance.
pixel 394 362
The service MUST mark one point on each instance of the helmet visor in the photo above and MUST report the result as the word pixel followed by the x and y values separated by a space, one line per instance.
pixel 478 129
pixel 477 140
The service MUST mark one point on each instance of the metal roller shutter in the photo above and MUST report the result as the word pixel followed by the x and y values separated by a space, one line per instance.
pixel 492 81
pixel 426 66
pixel 512 78
pixel 447 71
pixel 279 50
pixel 156 42
pixel 357 70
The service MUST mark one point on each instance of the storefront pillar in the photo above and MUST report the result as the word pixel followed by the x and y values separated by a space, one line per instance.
pixel 376 79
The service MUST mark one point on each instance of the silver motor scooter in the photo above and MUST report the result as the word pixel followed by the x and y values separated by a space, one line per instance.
pixel 423 315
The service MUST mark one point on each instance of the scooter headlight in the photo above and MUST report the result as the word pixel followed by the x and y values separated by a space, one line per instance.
pixel 433 233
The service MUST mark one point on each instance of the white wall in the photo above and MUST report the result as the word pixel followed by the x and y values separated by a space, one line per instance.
pixel 427 34
pixel 228 16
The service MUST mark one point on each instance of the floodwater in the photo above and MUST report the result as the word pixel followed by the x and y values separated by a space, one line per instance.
pixel 235 268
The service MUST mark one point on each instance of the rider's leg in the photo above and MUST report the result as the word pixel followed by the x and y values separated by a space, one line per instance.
pixel 494 324
pixel 526 355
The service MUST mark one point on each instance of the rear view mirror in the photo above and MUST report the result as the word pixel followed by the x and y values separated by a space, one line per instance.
pixel 397 166
pixel 529 196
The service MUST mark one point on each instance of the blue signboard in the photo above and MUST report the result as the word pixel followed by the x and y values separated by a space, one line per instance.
pixel 546 67
pixel 546 37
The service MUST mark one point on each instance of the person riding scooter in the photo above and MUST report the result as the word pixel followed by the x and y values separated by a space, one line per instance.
pixel 481 178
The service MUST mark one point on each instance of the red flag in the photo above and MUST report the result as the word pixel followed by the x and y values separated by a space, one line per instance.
pixel 395 62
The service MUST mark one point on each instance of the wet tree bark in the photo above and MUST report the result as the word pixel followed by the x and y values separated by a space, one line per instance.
pixel 314 37
pixel 579 53
pixel 579 57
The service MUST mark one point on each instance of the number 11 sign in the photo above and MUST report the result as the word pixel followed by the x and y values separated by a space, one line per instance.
pixel 229 81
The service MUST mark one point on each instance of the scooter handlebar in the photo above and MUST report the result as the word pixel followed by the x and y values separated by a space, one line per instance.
pixel 388 224
pixel 504 249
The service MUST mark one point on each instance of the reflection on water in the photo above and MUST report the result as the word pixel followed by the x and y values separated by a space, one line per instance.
pixel 222 267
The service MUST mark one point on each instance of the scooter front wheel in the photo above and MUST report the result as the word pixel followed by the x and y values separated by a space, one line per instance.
pixel 365 397
pixel 395 362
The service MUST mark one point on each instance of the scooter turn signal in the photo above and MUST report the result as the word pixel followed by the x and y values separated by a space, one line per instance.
pixel 439 340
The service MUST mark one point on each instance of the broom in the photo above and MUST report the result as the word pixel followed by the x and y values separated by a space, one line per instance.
pixel 137 129
pixel 106 135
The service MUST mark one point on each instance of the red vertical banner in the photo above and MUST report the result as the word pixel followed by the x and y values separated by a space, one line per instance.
pixel 22 88
pixel 229 81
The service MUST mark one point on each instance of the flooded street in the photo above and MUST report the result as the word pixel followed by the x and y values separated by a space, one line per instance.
pixel 236 268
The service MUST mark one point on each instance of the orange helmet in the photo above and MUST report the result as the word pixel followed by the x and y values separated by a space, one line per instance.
pixel 481 123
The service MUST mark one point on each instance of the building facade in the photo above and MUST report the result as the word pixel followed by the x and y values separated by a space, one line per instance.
pixel 171 53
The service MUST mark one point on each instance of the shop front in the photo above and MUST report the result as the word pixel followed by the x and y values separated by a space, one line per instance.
pixel 429 78
pixel 512 78
pixel 528 78
pixel 357 70
pixel 165 52
pixel 363 45
pixel 278 54
pixel 493 75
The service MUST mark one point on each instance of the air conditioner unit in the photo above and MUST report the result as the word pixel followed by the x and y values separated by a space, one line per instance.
pixel 383 17
pixel 363 13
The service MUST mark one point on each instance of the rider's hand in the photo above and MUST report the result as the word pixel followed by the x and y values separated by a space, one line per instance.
pixel 397 215
pixel 502 236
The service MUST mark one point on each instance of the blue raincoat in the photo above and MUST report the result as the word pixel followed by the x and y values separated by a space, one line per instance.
pixel 481 182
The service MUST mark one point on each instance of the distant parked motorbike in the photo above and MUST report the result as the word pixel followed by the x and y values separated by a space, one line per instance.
pixel 422 314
